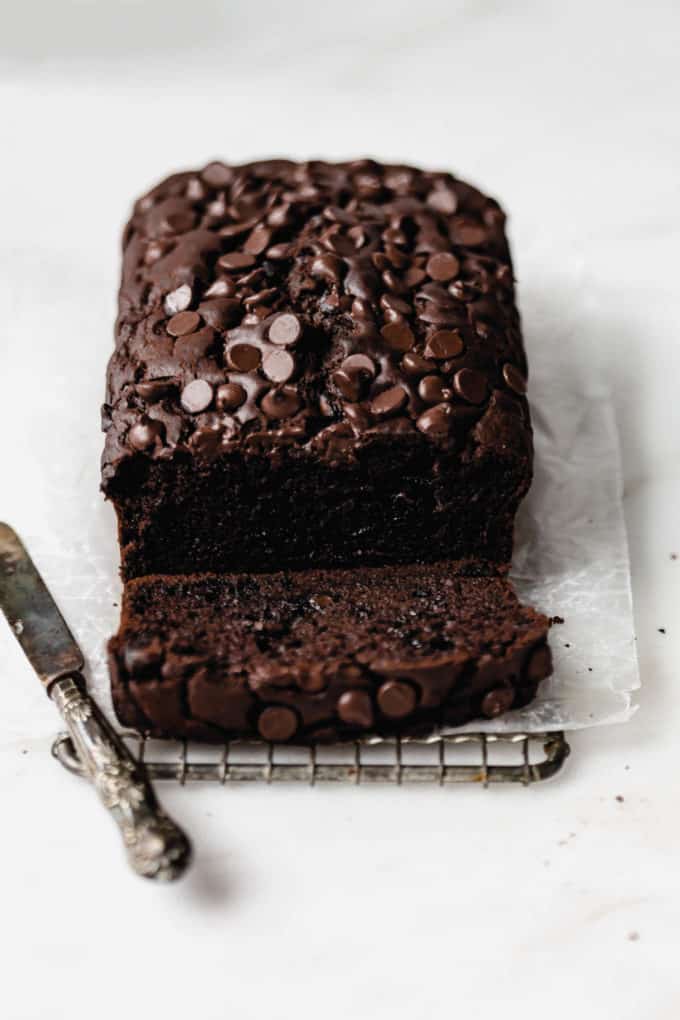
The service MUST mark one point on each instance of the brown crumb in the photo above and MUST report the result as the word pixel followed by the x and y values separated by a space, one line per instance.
pixel 662 630
pixel 619 798
pixel 567 645
pixel 633 936
pixel 557 619
pixel 674 556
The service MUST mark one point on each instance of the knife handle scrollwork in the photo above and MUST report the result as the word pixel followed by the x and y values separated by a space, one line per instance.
pixel 156 846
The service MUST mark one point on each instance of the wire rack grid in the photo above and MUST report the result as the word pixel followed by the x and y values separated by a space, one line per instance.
pixel 441 759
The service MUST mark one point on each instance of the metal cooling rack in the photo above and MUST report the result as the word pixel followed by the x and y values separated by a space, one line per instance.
pixel 482 758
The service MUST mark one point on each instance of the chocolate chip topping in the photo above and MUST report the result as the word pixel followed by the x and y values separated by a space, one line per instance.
pixel 444 344
pixel 281 403
pixel 394 286
pixel 197 396
pixel 244 357
pixel 514 379
pixel 396 699
pixel 470 385
pixel 278 366
pixel 286 329
pixel 183 323
pixel 230 396
pixel 498 701
pixel 443 267
pixel 178 300
pixel 145 434
pixel 356 709
pixel 398 336
pixel 389 402
pixel 236 260
pixel 277 723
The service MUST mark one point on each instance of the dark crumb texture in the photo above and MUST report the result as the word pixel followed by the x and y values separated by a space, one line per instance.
pixel 322 654
pixel 315 364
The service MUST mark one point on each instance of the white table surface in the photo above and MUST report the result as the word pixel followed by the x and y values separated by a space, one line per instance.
pixel 374 903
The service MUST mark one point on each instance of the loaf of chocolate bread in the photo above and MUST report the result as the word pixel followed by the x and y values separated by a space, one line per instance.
pixel 315 365
pixel 322 655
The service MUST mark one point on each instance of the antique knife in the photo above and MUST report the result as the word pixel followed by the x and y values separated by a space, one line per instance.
pixel 156 846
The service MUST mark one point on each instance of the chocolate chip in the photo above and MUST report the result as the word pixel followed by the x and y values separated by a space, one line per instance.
pixel 178 300
pixel 351 384
pixel 355 708
pixel 497 701
pixel 281 403
pixel 217 175
pixel 389 402
pixel 394 282
pixel 395 304
pixel 278 366
pixel 207 440
pixel 468 233
pixel 514 379
pixel 327 267
pixel 155 389
pixel 443 266
pixel 360 363
pixel 539 664
pixel 396 699
pixel 415 365
pixel 230 396
pixel 223 287
pixel 443 200
pixel 445 343
pixel 470 385
pixel 197 396
pixel 144 434
pixel 414 276
pixel 286 329
pixel 258 241
pixel 243 357
pixel 277 252
pixel 398 335
pixel 180 222
pixel 183 323
pixel 437 422
pixel 431 389
pixel 236 260
pixel 277 723
pixel 221 313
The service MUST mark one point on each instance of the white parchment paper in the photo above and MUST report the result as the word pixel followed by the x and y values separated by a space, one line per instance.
pixel 571 556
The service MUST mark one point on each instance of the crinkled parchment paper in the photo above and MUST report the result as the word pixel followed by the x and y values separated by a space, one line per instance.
pixel 571 557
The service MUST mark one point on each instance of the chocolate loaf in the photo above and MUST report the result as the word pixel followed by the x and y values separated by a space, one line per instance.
pixel 322 655
pixel 315 365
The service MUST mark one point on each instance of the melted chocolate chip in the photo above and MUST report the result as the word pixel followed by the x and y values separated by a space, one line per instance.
pixel 497 701
pixel 470 385
pixel 183 323
pixel 281 403
pixel 145 434
pixel 355 708
pixel 398 336
pixel 230 397
pixel 243 357
pixel 389 402
pixel 514 379
pixel 396 699
pixel 444 344
pixel 178 300
pixel 285 330
pixel 443 266
pixel 197 396
pixel 277 723
pixel 279 366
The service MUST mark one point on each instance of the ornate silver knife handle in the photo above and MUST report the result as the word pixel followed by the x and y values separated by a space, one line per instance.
pixel 156 846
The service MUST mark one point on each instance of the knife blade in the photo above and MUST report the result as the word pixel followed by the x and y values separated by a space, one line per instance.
pixel 32 613
pixel 156 846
